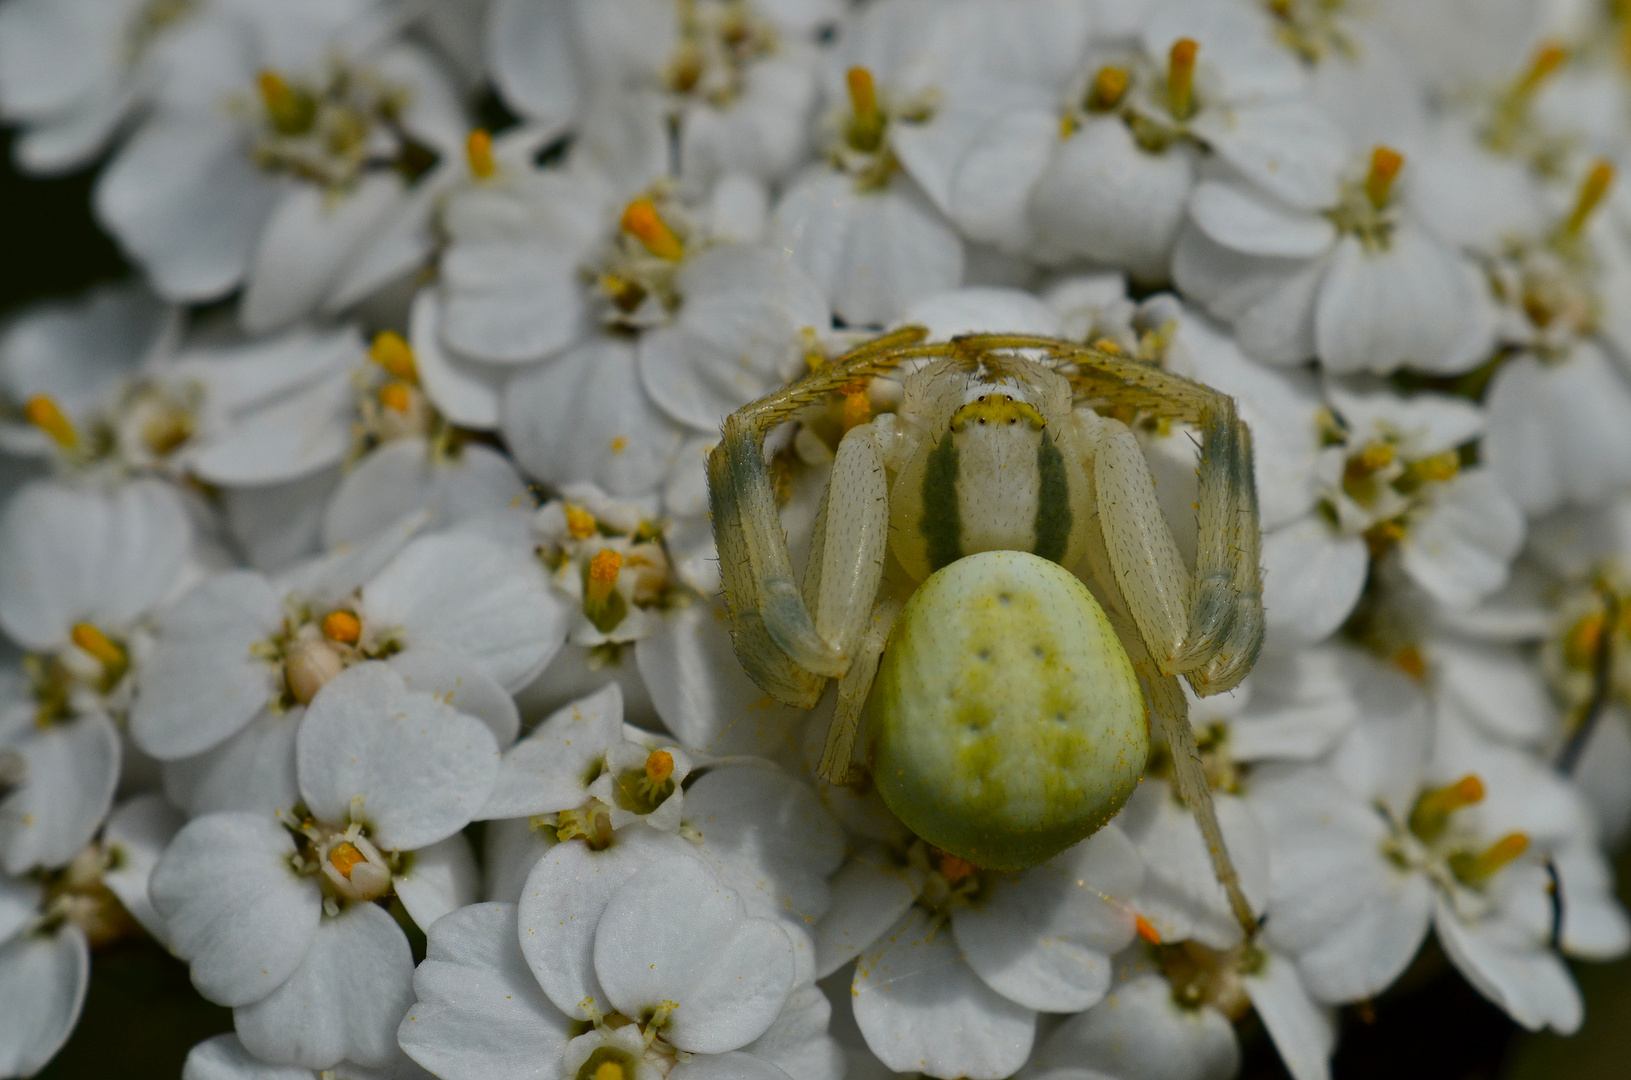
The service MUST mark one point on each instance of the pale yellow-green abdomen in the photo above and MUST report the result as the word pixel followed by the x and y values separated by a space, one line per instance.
pixel 1006 721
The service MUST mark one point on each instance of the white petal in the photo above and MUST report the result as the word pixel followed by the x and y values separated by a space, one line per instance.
pixel 70 770
pixel 465 594
pixel 305 240
pixel 479 1013
pixel 253 770
pixel 1288 148
pixel 584 416
pixel 183 197
pixel 1460 550
pixel 1104 198
pixel 923 1010
pixel 71 555
pixel 19 904
pixel 869 895
pixel 1245 220
pixel 438 879
pixel 510 303
pixel 43 978
pixel 1403 306
pixel 510 848
pixel 726 973
pixel 405 475
pixel 768 837
pixel 1300 704
pixel 458 681
pixel 135 835
pixel 1141 1030
pixel 731 1066
pixel 1312 577
pixel 1494 685
pixel 343 1002
pixel 1525 978
pixel 465 392
pixel 234 906
pixel 530 48
pixel 420 768
pixel 701 692
pixel 224 1058
pixel 547 771
pixel 561 906
pixel 1044 938
pixel 1303 1032
pixel 278 524
pixel 296 437
pixel 982 309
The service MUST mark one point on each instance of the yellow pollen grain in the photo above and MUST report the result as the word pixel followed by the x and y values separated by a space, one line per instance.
pixel 1385 164
pixel 1181 78
pixel 478 150
pixel 344 858
pixel 1592 190
pixel 619 444
pixel 857 409
pixel 580 523
pixel 342 626
pixel 99 645
pixel 641 221
pixel 395 396
pixel 1109 87
pixel 659 766
pixel 44 414
pixel 393 353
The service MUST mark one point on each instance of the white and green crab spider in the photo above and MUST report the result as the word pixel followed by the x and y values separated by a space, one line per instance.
pixel 992 582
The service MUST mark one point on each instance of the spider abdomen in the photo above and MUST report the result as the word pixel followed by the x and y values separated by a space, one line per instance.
pixel 1006 721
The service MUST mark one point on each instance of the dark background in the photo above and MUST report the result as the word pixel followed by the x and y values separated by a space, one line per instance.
pixel 142 1015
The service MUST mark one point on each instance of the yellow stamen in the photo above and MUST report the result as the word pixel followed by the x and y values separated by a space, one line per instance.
pixel 603 571
pixel 1433 809
pixel 1408 659
pixel 608 1070
pixel 1146 930
pixel 857 409
pixel 1583 642
pixel 1375 456
pixel 291 112
pixel 1109 87
pixel 478 149
pixel 866 126
pixel 98 644
pixel 344 858
pixel 44 414
pixel 1548 58
pixel 342 626
pixel 1181 78
pixel 391 352
pixel 659 766
pixel 1384 166
pixel 1382 536
pixel 580 523
pixel 395 396
pixel 1439 467
pixel 1476 869
pixel 640 221
pixel 1592 190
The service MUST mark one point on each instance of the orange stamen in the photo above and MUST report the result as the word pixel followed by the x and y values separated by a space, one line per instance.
pixel 392 352
pixel 342 626
pixel 640 220
pixel 478 150
pixel 1384 166
pixel 395 396
pixel 99 645
pixel 345 858
pixel 44 414
pixel 1146 930
pixel 1109 87
pixel 1181 78
pixel 603 571
pixel 1548 58
pixel 1592 190
pixel 659 766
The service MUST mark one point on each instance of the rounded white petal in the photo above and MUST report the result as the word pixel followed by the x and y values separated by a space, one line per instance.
pixel 461 683
pixel 1461 549
pixel 1250 222
pixel 295 437
pixel 1141 1030
pixel 70 770
pixel 479 1013
pixel 224 1058
pixel 869 895
pixel 548 770
pixel 1044 938
pixel 405 475
pixel 1303 1032
pixel 43 978
pixel 343 1002
pixel 438 879
pixel 725 972
pixel 234 906
pixel 562 903
pixel 584 416
pixel 466 594
pixel 415 768
pixel 253 770
pixel 465 392
pixel 135 836
pixel 1312 577
pixel 1288 148
pixel 922 1009
pixel 1519 973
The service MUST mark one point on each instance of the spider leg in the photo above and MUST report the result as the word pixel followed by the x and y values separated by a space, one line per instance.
pixel 838 755
pixel 785 647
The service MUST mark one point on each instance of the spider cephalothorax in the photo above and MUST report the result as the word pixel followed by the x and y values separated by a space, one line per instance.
pixel 991 580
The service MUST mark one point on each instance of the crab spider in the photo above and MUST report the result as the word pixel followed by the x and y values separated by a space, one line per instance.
pixel 992 581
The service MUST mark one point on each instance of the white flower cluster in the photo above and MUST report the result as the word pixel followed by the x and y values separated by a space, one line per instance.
pixel 365 605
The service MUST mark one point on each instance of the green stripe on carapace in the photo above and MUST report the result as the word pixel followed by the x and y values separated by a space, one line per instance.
pixel 942 525
pixel 1052 502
